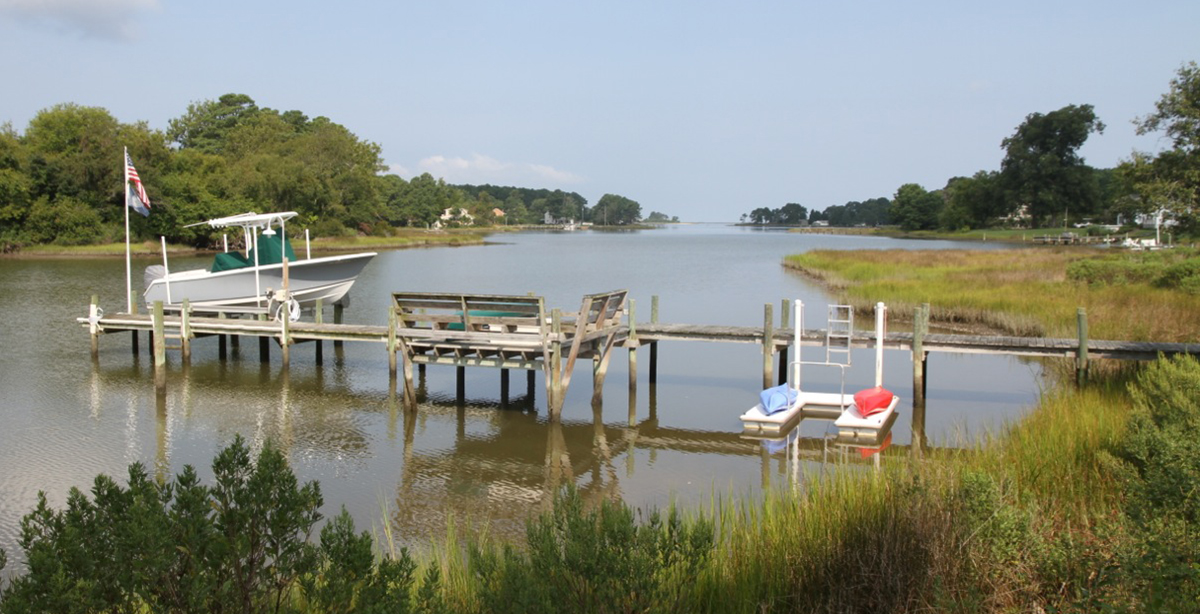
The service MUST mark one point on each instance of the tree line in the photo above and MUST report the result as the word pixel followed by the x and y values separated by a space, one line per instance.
pixel 61 180
pixel 1042 179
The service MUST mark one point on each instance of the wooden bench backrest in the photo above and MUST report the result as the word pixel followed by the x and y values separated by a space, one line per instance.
pixel 470 312
pixel 601 311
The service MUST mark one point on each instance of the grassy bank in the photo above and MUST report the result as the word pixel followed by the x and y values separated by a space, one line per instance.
pixel 1134 296
pixel 401 240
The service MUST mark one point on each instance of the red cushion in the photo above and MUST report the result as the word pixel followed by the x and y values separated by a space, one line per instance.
pixel 872 400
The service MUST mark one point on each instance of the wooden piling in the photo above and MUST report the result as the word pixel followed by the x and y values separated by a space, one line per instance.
pixel 654 344
pixel 185 331
pixel 1081 356
pixel 94 326
pixel 337 319
pixel 460 383
pixel 504 387
pixel 633 341
pixel 264 350
pixel 391 343
pixel 554 401
pixel 285 332
pixel 160 341
pixel 319 318
pixel 222 341
pixel 784 324
pixel 133 311
pixel 768 344
pixel 920 329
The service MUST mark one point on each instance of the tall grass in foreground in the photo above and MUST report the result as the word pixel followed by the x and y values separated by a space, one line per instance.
pixel 1018 291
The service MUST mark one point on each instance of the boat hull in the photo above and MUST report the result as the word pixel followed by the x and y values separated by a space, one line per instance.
pixel 327 279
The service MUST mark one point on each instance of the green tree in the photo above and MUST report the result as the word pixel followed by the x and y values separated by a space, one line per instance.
pixel 1171 179
pixel 614 210
pixel 207 124
pixel 976 201
pixel 1042 168
pixel 792 213
pixel 916 209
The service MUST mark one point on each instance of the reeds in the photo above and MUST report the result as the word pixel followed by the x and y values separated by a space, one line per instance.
pixel 1014 291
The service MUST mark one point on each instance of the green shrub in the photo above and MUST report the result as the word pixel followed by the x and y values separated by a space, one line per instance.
pixel 593 560
pixel 1095 271
pixel 239 545
pixel 1181 275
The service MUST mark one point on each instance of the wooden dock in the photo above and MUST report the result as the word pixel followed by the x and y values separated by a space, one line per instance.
pixel 516 332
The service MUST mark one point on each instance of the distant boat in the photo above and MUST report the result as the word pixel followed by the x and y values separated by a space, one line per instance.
pixel 237 281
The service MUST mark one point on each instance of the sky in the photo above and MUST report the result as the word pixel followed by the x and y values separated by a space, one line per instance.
pixel 704 110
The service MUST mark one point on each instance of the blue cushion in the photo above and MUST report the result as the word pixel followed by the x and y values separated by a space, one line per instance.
pixel 777 399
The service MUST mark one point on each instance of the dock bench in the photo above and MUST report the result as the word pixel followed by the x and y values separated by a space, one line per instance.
pixel 506 332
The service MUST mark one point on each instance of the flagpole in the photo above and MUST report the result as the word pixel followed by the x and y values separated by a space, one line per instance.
pixel 128 268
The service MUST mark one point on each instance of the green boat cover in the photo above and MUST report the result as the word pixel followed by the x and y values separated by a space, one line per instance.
pixel 271 251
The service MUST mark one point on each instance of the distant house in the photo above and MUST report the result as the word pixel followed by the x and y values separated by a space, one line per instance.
pixel 450 217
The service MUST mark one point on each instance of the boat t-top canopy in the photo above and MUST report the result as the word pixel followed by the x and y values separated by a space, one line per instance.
pixel 249 220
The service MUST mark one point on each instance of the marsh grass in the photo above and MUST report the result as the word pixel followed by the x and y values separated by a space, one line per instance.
pixel 1017 291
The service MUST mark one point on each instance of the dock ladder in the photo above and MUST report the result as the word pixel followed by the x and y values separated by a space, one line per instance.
pixel 837 334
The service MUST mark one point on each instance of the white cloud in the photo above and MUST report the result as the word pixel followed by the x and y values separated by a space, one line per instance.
pixel 109 19
pixel 479 169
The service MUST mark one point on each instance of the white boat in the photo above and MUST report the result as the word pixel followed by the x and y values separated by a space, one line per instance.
pixel 838 406
pixel 237 281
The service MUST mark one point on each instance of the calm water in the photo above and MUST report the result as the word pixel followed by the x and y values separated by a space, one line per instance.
pixel 66 419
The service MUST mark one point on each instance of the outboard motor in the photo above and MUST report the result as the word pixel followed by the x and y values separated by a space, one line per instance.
pixel 153 272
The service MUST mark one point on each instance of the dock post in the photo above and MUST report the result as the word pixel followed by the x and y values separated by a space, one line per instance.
pixel 920 328
pixel 460 384
pixel 504 387
pixel 555 367
pixel 94 326
pixel 768 344
pixel 784 324
pixel 285 337
pixel 337 319
pixel 391 344
pixel 654 344
pixel 133 311
pixel 319 318
pixel 633 346
pixel 410 391
pixel 185 331
pixel 1081 356
pixel 264 350
pixel 530 385
pixel 160 341
pixel 222 341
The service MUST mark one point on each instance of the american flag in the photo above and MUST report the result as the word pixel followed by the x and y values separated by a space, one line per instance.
pixel 139 201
